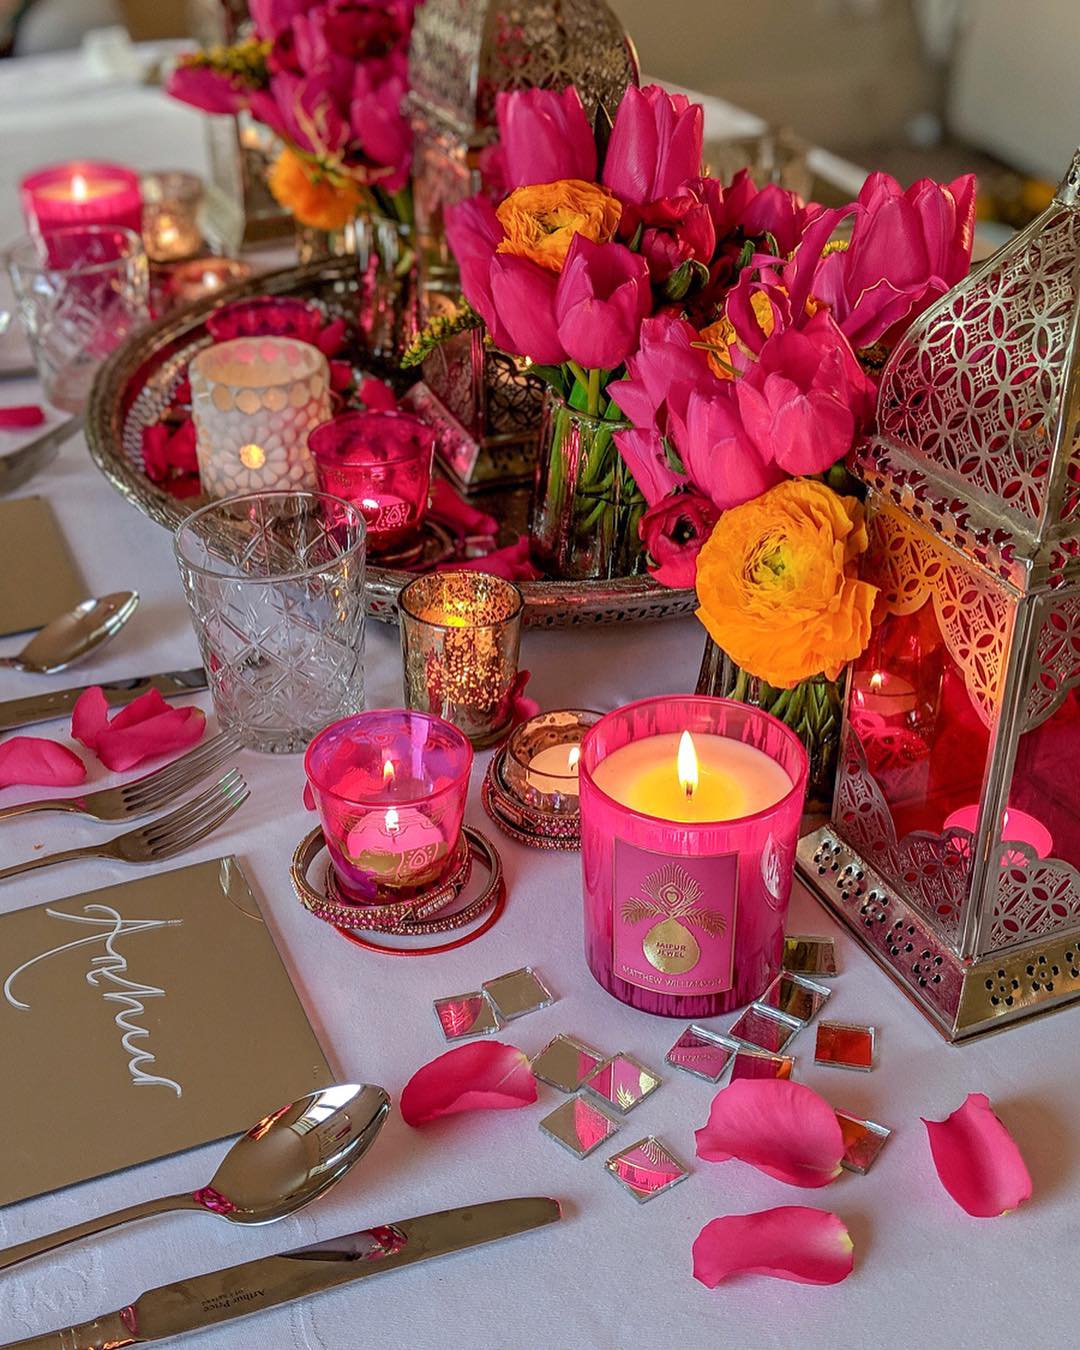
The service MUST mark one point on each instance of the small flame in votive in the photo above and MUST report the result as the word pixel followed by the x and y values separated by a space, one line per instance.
pixel 876 681
pixel 79 191
pixel 369 503
pixel 252 456
pixel 392 820
pixel 388 772
pixel 572 758
pixel 687 764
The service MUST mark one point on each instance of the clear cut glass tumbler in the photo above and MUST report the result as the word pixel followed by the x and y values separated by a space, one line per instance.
pixel 275 582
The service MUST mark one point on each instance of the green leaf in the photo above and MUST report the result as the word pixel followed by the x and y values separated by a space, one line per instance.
pixel 673 457
pixel 555 376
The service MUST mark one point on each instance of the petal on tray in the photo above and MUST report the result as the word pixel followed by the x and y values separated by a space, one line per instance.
pixel 782 1128
pixel 977 1159
pixel 487 1076
pixel 791 1242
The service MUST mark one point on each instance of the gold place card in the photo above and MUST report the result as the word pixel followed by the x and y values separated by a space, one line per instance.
pixel 38 577
pixel 139 1020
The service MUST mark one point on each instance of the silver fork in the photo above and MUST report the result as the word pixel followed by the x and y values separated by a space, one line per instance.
pixel 144 795
pixel 161 838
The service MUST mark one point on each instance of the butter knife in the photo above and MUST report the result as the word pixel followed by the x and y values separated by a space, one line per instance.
pixel 224 1295
pixel 20 465
pixel 24 712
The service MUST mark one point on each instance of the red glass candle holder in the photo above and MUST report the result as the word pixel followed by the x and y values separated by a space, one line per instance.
pixel 82 192
pixel 381 462
pixel 685 917
pixel 267 316
pixel 390 787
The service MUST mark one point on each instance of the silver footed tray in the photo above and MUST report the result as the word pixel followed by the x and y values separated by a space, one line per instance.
pixel 136 385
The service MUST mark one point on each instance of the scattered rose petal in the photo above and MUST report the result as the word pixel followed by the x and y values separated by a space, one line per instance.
pixel 26 415
pixel 782 1128
pixel 377 396
pixel 143 729
pixel 449 506
pixel 977 1159
pixel 332 338
pixel 512 563
pixel 791 1242
pixel 487 1076
pixel 34 760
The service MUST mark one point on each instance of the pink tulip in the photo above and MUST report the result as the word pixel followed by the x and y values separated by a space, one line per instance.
pixel 545 137
pixel 523 295
pixel 720 457
pixel 647 460
pixel 673 532
pixel 474 231
pixel 690 236
pixel 271 17
pixel 381 130
pixel 773 210
pixel 206 89
pixel 655 145
pixel 603 295
pixel 662 374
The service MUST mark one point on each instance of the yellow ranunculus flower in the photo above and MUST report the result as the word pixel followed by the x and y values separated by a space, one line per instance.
pixel 541 220
pixel 777 584
pixel 307 193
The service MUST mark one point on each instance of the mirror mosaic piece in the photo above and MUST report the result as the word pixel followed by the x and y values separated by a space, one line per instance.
pixel 705 1054
pixel 810 955
pixel 462 1015
pixel 766 1030
pixel 517 993
pixel 845 1045
pixel 795 996
pixel 646 1169
pixel 757 1064
pixel 863 1141
pixel 565 1063
pixel 622 1082
pixel 579 1126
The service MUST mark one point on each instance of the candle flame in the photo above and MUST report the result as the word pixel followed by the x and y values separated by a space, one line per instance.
pixel 252 456
pixel 392 820
pixel 79 191
pixel 573 757
pixel 876 681
pixel 687 764
pixel 388 772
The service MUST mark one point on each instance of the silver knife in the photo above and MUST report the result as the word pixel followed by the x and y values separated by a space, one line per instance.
pixel 24 712
pixel 224 1295
pixel 21 465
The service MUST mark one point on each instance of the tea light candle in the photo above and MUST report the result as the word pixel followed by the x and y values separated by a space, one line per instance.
pixel 170 225
pixel 882 693
pixel 690 812
pixel 204 276
pixel 1017 827
pixel 82 192
pixel 552 769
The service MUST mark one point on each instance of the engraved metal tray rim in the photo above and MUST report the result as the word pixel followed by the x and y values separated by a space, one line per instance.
pixel 123 377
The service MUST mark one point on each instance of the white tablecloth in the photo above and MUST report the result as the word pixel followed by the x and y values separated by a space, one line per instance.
pixel 612 1273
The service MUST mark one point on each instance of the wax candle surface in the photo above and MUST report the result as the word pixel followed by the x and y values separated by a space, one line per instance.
pixel 734 779
pixel 554 769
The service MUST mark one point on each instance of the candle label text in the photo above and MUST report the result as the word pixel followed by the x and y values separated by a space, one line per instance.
pixel 673 926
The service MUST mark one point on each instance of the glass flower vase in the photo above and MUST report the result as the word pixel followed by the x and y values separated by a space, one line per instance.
pixel 812 709
pixel 586 505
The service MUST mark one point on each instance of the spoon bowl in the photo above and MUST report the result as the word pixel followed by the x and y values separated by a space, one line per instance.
pixel 71 636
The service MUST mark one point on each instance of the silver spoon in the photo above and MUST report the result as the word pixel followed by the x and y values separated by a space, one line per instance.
pixel 284 1162
pixel 71 636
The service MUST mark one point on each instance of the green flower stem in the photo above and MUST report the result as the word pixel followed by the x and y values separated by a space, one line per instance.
pixel 594 393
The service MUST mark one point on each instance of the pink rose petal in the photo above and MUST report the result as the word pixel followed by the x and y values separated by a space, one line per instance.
pixel 43 763
pixel 90 716
pixel 782 1128
pixel 791 1242
pixel 977 1159
pixel 487 1076
pixel 25 415
pixel 143 729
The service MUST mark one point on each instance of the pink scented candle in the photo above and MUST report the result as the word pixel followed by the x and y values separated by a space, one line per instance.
pixel 82 192
pixel 690 811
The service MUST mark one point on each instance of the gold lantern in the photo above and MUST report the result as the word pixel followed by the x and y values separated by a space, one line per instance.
pixel 485 407
pixel 953 850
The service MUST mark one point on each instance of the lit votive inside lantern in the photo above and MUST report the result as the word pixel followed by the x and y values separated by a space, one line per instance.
pixel 201 277
pixel 882 694
pixel 254 402
pixel 460 637
pixel 83 192
pixel 1017 827
pixel 540 767
pixel 170 215
pixel 690 811
pixel 390 788
pixel 381 462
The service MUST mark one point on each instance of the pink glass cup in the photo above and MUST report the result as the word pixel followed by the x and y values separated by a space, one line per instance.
pixel 267 316
pixel 390 788
pixel 381 462
pixel 687 919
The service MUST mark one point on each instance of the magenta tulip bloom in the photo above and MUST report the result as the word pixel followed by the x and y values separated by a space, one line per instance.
pixel 647 460
pixel 379 127
pixel 673 532
pixel 474 231
pixel 662 374
pixel 206 89
pixel 720 457
pixel 272 17
pixel 545 136
pixel 655 145
pixel 602 297
pixel 523 294
pixel 775 211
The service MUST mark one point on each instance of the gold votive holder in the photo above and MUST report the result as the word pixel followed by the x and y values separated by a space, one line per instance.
pixel 170 215
pixel 460 637
pixel 200 277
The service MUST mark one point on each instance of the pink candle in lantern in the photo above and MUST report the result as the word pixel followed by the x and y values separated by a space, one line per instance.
pixel 1017 827
pixel 690 811
pixel 82 192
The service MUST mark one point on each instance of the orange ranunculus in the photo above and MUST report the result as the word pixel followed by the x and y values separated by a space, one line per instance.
pixel 542 219
pixel 777 585
pixel 307 193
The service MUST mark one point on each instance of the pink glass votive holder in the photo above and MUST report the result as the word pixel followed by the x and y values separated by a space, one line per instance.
pixel 390 788
pixel 267 316
pixel 381 462
pixel 685 918
pixel 82 192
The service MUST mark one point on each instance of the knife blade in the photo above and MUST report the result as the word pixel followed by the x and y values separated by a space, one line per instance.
pixel 24 712
pixel 224 1295
pixel 21 465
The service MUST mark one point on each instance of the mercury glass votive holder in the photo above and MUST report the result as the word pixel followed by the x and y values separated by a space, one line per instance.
pixel 540 767
pixel 380 461
pixel 200 277
pixel 460 637
pixel 254 401
pixel 390 788
pixel 684 916
pixel 171 201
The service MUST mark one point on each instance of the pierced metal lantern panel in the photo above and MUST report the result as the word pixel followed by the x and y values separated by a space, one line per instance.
pixel 953 851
